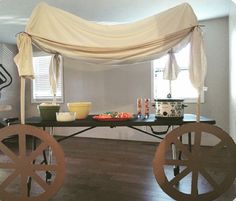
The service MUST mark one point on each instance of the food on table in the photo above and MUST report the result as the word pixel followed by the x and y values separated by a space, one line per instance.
pixel 114 115
pixel 82 109
pixel 48 111
pixel 65 116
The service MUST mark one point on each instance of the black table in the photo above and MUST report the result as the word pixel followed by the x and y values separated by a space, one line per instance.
pixel 90 123
pixel 134 123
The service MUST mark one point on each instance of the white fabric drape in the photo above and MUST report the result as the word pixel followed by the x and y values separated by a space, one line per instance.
pixel 172 69
pixel 23 59
pixel 198 63
pixel 54 71
pixel 56 31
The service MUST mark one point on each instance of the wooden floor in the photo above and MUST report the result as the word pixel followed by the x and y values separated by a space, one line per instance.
pixel 113 170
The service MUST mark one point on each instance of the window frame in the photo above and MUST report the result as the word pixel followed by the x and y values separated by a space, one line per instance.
pixel 186 100
pixel 50 99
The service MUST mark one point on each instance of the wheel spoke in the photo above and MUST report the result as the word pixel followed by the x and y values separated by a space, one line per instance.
pixel 197 141
pixel 194 187
pixel 22 144
pixel 212 182
pixel 7 166
pixel 38 151
pixel 8 152
pixel 9 179
pixel 40 181
pixel 175 162
pixel 215 149
pixel 39 167
pixel 224 164
pixel 184 149
pixel 180 176
pixel 23 186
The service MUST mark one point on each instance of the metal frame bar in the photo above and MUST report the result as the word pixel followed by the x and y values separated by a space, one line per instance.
pixel 145 132
pixel 153 133
pixel 77 133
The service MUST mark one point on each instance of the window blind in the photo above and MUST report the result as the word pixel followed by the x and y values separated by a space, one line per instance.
pixel 41 90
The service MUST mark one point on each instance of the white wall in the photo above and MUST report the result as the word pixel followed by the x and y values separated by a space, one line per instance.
pixel 216 41
pixel 10 95
pixel 117 88
pixel 232 70
pixel 109 89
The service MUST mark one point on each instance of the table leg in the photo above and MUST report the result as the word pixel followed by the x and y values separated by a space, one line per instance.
pixel 34 144
pixel 190 141
pixel 48 173
pixel 174 157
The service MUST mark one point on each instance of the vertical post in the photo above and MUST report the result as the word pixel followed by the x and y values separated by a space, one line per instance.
pixel 170 89
pixel 198 109
pixel 22 100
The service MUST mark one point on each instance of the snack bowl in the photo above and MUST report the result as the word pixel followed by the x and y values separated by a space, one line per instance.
pixel 48 111
pixel 81 109
pixel 65 116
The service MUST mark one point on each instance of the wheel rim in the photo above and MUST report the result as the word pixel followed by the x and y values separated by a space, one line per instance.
pixel 21 164
pixel 198 165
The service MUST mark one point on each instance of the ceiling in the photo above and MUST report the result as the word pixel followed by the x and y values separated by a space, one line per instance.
pixel 14 14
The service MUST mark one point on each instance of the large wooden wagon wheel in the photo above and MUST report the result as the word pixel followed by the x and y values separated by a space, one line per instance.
pixel 19 164
pixel 205 171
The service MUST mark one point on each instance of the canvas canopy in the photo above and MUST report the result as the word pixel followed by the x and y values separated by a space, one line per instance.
pixel 58 32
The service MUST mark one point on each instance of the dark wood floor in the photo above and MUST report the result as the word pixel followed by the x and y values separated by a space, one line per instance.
pixel 112 170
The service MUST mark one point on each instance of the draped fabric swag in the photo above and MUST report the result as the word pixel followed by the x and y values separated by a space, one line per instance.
pixel 58 32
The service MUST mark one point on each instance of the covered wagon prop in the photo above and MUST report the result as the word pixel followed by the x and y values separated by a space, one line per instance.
pixel 63 34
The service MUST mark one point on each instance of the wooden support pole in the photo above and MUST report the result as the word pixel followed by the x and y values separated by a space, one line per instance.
pixel 22 100
pixel 198 107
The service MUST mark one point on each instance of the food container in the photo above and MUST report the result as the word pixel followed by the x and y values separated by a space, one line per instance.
pixel 48 111
pixel 81 109
pixel 169 108
pixel 139 107
pixel 65 116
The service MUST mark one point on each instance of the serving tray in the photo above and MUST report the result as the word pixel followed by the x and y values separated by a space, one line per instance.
pixel 114 116
pixel 98 118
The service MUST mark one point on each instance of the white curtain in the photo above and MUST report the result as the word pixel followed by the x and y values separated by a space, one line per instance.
pixel 54 71
pixel 172 69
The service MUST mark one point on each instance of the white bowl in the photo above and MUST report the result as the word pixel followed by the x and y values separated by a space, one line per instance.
pixel 82 109
pixel 65 116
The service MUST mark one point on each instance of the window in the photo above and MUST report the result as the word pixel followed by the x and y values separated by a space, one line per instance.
pixel 41 90
pixel 181 87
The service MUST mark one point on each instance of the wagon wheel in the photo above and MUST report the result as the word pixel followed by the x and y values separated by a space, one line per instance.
pixel 20 164
pixel 205 172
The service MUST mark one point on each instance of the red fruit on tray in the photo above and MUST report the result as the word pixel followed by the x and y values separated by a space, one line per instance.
pixel 114 116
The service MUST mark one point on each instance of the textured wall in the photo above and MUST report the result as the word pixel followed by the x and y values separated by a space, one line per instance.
pixel 10 94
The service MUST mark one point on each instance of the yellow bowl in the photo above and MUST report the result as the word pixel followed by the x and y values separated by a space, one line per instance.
pixel 82 109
